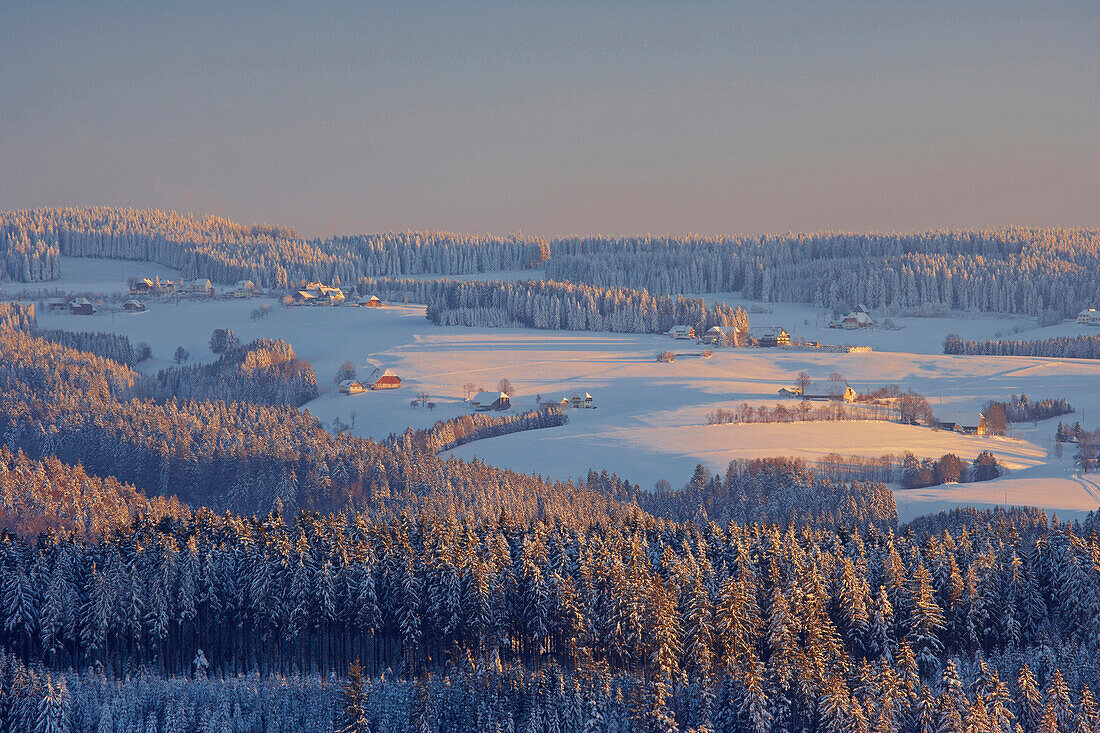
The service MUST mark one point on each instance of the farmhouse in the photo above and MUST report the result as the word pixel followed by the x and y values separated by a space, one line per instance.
pixel 383 379
pixel 142 285
pixel 789 392
pixel 577 402
pixel 317 294
pixel 1090 316
pixel 133 306
pixel 350 387
pixel 372 302
pixel 723 336
pixel 829 390
pixel 59 305
pixel 197 287
pixel 681 332
pixel 857 319
pixel 774 336
pixel 485 401
pixel 244 289
pixel 81 307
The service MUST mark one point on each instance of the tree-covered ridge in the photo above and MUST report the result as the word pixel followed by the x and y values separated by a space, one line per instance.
pixel 39 495
pixel 242 455
pixel 1051 272
pixel 1015 270
pixel 554 305
pixel 757 627
pixel 31 243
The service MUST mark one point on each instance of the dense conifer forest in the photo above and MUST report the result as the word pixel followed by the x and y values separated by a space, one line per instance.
pixel 1050 273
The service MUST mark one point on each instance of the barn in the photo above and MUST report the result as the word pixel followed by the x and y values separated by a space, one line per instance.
pixel 485 401
pixel 133 306
pixel 81 307
pixel 384 380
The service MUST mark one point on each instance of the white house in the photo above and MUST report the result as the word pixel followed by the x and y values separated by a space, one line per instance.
pixel 681 332
pixel 350 387
pixel 1090 316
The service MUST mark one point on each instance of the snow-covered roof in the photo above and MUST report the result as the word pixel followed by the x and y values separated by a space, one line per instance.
pixel 80 301
pixel 349 382
pixel 488 398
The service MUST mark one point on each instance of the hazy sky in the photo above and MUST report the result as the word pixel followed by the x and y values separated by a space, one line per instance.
pixel 558 118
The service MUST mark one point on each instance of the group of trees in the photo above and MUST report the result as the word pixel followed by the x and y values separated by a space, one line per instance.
pixel 264 372
pixel 802 411
pixel 1062 347
pixel 918 473
pixel 1022 409
pixel 448 434
pixel 555 305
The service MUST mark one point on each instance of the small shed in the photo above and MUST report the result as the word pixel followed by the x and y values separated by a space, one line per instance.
pixel 789 392
pixel 350 387
pixel 485 401
pixel 372 302
pixel 81 307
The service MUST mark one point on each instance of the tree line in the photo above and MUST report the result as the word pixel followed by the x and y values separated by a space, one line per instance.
pixel 555 305
pixel 447 434
pixel 1062 347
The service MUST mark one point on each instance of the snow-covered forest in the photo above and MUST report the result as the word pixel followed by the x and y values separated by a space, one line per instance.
pixel 1050 273
pixel 32 242
pixel 555 305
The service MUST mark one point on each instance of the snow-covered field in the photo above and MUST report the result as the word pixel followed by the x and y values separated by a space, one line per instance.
pixel 91 275
pixel 650 421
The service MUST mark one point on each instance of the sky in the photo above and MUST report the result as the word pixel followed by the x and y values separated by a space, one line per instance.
pixel 558 119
